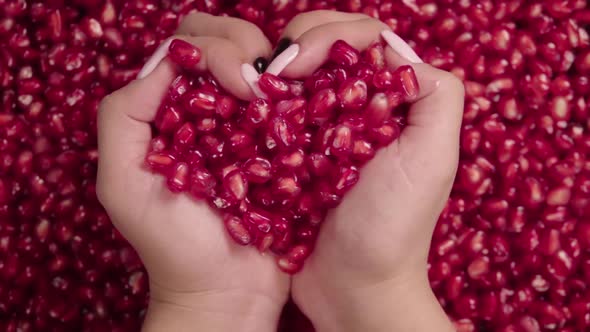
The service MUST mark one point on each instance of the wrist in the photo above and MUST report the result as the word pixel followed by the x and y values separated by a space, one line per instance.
pixel 211 311
pixel 403 304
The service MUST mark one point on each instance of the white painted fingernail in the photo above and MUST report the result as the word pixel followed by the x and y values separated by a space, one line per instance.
pixel 283 60
pixel 155 59
pixel 250 75
pixel 400 46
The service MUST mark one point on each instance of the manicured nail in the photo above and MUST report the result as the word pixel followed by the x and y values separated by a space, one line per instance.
pixel 155 59
pixel 250 75
pixel 260 65
pixel 281 47
pixel 283 60
pixel 400 46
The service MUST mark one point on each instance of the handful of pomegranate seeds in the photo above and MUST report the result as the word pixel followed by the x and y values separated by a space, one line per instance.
pixel 274 166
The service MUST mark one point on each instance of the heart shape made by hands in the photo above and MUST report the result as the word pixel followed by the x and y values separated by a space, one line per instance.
pixel 274 167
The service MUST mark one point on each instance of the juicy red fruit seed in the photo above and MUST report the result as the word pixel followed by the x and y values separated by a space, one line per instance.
pixel 184 54
pixel 275 87
pixel 343 54
pixel 236 184
pixel 236 229
pixel 405 81
pixel 179 177
pixel 353 94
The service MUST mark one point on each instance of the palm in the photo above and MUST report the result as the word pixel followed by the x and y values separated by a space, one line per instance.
pixel 188 244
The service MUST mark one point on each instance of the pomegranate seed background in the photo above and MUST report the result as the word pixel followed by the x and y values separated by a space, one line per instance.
pixel 510 252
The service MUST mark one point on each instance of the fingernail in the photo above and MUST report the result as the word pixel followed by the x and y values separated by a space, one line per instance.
pixel 281 47
pixel 400 46
pixel 250 75
pixel 283 60
pixel 260 65
pixel 155 59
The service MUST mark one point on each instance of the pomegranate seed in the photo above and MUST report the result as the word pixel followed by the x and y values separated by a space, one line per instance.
pixel 178 177
pixel 343 54
pixel 353 94
pixel 237 230
pixel 405 81
pixel 288 266
pixel 200 102
pixel 160 161
pixel 184 54
pixel 322 105
pixel 275 87
pixel 236 184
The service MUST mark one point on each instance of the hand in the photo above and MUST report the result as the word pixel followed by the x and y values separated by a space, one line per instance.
pixel 368 271
pixel 199 278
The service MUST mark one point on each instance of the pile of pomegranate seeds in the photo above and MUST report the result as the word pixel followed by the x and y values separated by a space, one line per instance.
pixel 274 166
pixel 511 251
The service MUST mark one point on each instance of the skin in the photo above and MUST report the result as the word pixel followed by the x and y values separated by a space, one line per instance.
pixel 198 277
pixel 368 270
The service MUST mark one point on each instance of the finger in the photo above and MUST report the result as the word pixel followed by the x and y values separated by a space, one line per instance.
pixel 307 21
pixel 314 45
pixel 222 58
pixel 244 34
pixel 124 125
pixel 434 120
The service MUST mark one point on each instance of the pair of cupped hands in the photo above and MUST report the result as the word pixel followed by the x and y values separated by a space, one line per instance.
pixel 368 271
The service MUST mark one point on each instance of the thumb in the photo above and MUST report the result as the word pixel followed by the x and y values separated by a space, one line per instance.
pixel 429 145
pixel 124 130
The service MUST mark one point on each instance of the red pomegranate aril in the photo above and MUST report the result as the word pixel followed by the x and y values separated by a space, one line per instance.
pixel 202 183
pixel 293 109
pixel 236 229
pixel 353 94
pixel 257 170
pixel 385 134
pixel 275 87
pixel 343 54
pixel 225 107
pixel 168 119
pixel 288 266
pixel 290 160
pixel 321 106
pixel 319 164
pixel 265 242
pixel 282 132
pixel 235 184
pixel 405 81
pixel 362 150
pixel 179 87
pixel 261 220
pixel 257 113
pixel 286 186
pixel 379 109
pixel 200 102
pixel 347 177
pixel 184 136
pixel 341 145
pixel 160 161
pixel 326 196
pixel 179 177
pixel 184 54
pixel 319 80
